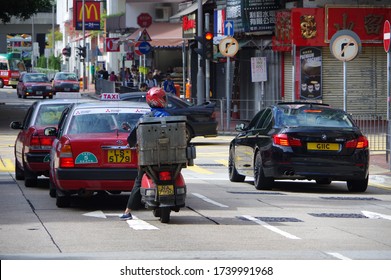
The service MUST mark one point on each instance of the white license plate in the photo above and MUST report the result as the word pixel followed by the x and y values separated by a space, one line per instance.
pixel 38 92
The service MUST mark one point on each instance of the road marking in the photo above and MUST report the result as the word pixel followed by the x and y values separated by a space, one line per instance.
pixel 338 256
pixel 138 224
pixel 6 165
pixel 134 223
pixel 374 215
pixel 204 198
pixel 269 227
pixel 200 170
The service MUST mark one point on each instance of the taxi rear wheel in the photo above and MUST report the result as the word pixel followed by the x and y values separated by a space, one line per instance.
pixel 52 189
pixel 63 199
pixel 19 174
pixel 30 178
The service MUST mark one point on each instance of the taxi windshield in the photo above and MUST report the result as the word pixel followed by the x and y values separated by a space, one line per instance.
pixel 103 123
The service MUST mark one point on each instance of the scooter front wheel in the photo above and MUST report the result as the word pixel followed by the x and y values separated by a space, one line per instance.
pixel 165 214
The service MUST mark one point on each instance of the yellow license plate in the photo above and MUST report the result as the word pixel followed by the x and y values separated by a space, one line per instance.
pixel 165 189
pixel 118 156
pixel 323 146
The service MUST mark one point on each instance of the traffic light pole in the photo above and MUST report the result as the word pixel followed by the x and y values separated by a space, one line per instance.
pixel 200 73
pixel 207 64
pixel 84 45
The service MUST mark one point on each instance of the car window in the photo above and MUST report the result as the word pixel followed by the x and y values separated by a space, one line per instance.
pixel 310 116
pixel 49 114
pixel 28 116
pixel 99 122
pixel 264 119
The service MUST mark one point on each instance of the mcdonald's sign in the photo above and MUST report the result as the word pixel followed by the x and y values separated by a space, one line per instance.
pixel 91 15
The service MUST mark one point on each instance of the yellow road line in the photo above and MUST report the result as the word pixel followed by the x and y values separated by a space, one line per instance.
pixel 222 161
pixel 200 170
pixel 6 165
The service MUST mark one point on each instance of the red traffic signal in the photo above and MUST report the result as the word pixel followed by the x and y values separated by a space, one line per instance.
pixel 208 45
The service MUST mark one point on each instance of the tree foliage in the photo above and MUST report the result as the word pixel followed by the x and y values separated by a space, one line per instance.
pixel 23 9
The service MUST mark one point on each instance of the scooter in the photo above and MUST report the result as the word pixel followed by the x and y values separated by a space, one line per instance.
pixel 162 153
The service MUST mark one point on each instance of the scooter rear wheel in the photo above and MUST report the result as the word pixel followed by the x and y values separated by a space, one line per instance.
pixel 156 212
pixel 165 215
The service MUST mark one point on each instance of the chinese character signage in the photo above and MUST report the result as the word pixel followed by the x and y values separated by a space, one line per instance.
pixel 91 15
pixel 366 22
pixel 311 73
pixel 258 69
pixel 252 15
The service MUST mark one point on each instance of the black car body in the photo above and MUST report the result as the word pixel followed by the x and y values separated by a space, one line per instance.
pixel 305 141
pixel 201 120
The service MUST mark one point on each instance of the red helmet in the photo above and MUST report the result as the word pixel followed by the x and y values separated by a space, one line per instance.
pixel 156 98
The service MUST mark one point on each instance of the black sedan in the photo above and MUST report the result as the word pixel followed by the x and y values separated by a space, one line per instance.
pixel 201 119
pixel 300 141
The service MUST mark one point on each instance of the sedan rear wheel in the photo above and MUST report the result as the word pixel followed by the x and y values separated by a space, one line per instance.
pixel 260 181
pixel 357 185
pixel 234 176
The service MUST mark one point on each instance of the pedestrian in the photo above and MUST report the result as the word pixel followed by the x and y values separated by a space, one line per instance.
pixel 150 81
pixel 143 87
pixel 168 85
pixel 113 77
pixel 105 74
pixel 157 101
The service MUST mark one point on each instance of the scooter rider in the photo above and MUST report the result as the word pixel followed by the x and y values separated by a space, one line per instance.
pixel 157 100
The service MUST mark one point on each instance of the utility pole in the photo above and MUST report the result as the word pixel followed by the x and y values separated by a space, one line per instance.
pixel 84 45
pixel 200 73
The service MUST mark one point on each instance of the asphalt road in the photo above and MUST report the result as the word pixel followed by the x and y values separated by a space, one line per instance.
pixel 221 220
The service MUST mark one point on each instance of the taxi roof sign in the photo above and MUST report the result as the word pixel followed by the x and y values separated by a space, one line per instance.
pixel 110 96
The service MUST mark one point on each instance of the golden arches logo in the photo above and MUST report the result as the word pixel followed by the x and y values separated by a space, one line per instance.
pixel 87 11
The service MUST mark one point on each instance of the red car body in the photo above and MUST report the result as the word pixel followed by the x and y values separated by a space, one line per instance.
pixel 34 84
pixel 65 82
pixel 32 147
pixel 90 153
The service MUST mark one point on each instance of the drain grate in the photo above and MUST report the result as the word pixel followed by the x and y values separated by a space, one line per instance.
pixel 349 198
pixel 275 219
pixel 338 215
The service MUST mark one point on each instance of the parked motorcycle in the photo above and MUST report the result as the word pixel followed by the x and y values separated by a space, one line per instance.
pixel 162 153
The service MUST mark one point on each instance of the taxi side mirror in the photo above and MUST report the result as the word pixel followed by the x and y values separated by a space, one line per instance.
pixel 16 125
pixel 50 131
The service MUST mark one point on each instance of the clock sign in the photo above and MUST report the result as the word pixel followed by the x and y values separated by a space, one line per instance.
pixel 345 45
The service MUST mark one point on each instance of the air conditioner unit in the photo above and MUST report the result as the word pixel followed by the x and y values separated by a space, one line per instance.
pixel 162 13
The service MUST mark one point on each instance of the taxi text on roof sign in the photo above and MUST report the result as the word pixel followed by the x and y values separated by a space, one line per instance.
pixel 109 96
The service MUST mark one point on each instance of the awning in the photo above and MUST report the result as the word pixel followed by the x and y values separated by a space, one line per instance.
pixel 187 10
pixel 163 34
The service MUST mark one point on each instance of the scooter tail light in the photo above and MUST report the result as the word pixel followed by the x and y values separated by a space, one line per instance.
pixel 66 157
pixel 165 175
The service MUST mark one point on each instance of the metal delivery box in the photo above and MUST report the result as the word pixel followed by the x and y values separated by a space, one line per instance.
pixel 162 140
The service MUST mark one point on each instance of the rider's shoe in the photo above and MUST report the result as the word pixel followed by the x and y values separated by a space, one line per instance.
pixel 126 216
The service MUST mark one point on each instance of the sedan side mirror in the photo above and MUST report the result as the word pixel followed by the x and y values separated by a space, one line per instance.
pixel 240 127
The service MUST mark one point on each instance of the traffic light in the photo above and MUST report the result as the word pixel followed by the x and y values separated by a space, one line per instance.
pixel 81 51
pixel 208 53
pixel 206 41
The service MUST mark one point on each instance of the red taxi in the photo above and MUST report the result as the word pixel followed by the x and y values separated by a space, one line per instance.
pixel 32 147
pixel 65 82
pixel 90 153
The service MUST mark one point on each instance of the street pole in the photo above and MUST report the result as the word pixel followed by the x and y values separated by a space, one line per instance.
pixel 207 64
pixel 228 92
pixel 388 142
pixel 84 45
pixel 200 73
